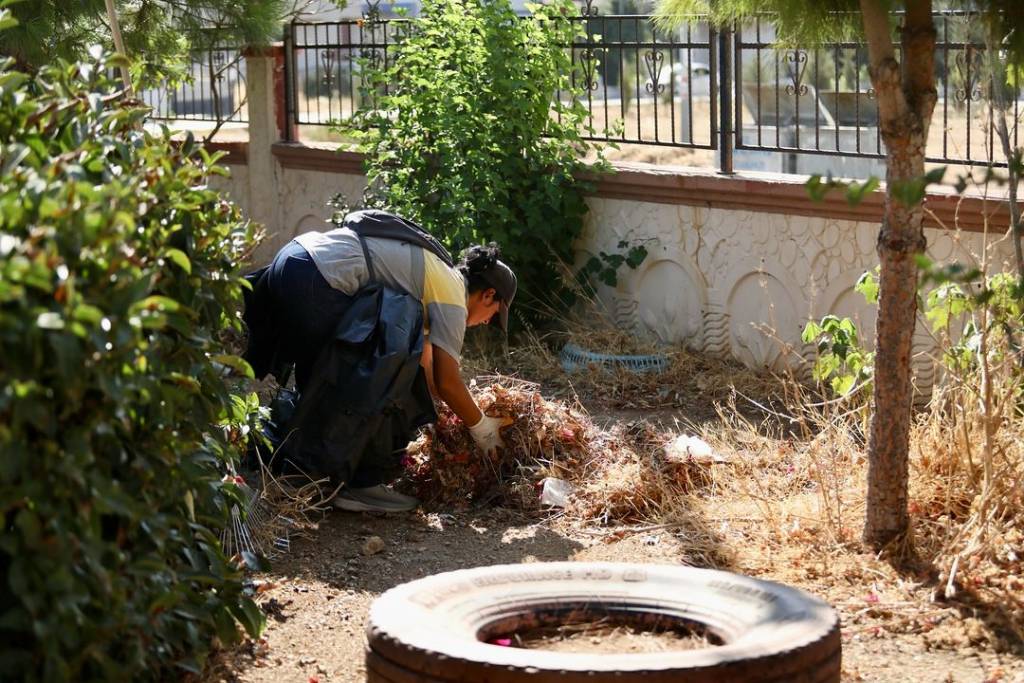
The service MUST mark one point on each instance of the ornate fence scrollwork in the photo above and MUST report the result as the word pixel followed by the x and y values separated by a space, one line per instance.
pixel 330 59
pixel 796 63
pixel 655 60
pixel 588 63
pixel 372 13
pixel 371 24
pixel 969 67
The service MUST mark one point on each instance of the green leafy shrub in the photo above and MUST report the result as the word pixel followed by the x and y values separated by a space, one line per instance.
pixel 842 361
pixel 604 268
pixel 975 315
pixel 470 139
pixel 974 318
pixel 118 271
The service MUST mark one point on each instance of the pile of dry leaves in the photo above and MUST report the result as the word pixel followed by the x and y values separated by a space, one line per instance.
pixel 618 475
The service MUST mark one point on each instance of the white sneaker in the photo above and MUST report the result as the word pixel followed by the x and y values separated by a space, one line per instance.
pixel 378 498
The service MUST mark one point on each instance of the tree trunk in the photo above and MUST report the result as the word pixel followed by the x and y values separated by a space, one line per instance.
pixel 115 33
pixel 899 240
pixel 906 97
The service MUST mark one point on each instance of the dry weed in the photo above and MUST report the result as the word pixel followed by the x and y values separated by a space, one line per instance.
pixel 693 381
pixel 619 475
pixel 790 503
pixel 793 502
pixel 275 509
pixel 968 492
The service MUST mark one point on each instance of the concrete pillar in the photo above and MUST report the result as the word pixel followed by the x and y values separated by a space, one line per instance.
pixel 266 117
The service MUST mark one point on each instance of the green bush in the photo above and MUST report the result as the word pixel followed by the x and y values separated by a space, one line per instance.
pixel 118 271
pixel 468 141
pixel 967 311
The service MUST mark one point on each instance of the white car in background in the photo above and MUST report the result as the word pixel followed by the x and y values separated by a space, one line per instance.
pixel 694 81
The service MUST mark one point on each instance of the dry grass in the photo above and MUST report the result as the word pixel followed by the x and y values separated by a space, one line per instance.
pixel 795 506
pixel 274 510
pixel 692 382
pixel 789 503
pixel 611 635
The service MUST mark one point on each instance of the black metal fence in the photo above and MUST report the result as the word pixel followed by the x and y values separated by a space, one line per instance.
pixel 761 106
pixel 642 85
pixel 213 91
pixel 325 62
pixel 806 102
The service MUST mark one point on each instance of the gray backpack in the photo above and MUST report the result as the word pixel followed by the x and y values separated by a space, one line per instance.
pixel 381 224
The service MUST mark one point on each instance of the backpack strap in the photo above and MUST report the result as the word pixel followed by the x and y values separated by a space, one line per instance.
pixel 369 261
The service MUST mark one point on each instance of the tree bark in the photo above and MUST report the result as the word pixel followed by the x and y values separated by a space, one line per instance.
pixel 115 33
pixel 906 97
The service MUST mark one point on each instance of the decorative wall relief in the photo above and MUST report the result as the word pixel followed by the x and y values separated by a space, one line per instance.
pixel 612 220
pixel 671 295
pixel 839 247
pixel 764 319
pixel 716 331
pixel 726 237
pixel 309 223
pixel 760 271
pixel 752 268
pixel 923 356
pixel 625 312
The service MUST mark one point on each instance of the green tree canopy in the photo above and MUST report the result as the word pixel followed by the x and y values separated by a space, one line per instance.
pixel 156 32
pixel 819 21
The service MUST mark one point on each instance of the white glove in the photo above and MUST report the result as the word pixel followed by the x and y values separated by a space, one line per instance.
pixel 486 435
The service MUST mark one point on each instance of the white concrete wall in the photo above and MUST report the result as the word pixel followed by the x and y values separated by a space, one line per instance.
pixel 728 282
pixel 298 200
pixel 302 197
pixel 744 284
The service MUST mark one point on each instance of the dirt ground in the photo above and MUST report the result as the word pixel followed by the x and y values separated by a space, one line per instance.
pixel 318 596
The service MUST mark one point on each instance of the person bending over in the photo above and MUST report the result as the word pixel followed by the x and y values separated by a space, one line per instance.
pixel 312 281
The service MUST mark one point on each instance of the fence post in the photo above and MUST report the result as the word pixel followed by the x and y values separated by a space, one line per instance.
pixel 262 85
pixel 725 95
pixel 286 113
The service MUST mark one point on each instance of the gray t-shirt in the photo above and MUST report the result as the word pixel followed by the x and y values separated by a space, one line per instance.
pixel 399 265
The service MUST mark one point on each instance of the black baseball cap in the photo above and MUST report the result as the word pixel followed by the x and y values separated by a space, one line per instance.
pixel 503 280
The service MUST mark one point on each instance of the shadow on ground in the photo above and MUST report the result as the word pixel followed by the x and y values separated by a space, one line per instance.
pixel 416 546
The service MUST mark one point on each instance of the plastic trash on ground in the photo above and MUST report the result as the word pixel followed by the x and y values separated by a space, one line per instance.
pixel 555 492
pixel 685 447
